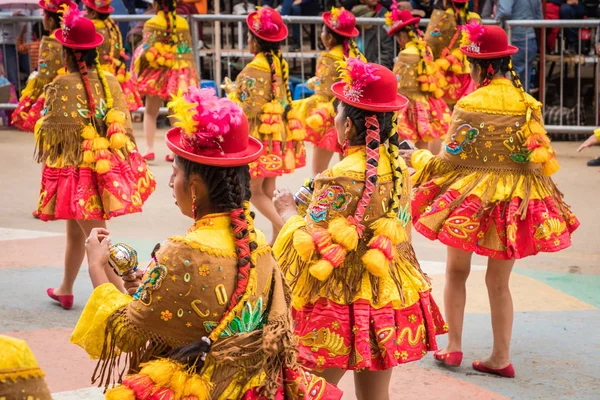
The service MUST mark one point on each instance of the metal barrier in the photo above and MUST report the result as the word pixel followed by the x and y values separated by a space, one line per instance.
pixel 579 60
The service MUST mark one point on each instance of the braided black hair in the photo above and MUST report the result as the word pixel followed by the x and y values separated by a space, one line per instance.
pixel 55 17
pixel 168 8
pixel 358 117
pixel 339 39
pixel 497 65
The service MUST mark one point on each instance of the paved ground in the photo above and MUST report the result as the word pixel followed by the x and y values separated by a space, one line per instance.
pixel 556 346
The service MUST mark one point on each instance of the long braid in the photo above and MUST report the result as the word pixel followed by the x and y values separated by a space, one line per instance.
pixel 83 72
pixel 394 152
pixel 354 51
pixel 269 57
pixel 104 81
pixel 115 35
pixel 285 75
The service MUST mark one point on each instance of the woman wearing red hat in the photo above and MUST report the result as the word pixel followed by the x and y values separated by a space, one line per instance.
pixel 317 111
pixel 360 300
pixel 262 89
pixel 489 192
pixel 163 65
pixel 445 35
pixel 426 119
pixel 92 169
pixel 210 318
pixel 111 53
pixel 50 65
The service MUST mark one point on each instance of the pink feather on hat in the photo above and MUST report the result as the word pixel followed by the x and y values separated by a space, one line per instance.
pixel 70 16
pixel 357 74
pixel 265 21
pixel 474 31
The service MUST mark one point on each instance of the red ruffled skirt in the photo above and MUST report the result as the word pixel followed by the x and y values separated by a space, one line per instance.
pixel 134 100
pixel 424 119
pixel 83 194
pixel 165 82
pixel 326 139
pixel 459 85
pixel 27 113
pixel 358 336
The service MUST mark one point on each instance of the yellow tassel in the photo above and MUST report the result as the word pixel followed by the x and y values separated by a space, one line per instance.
pixel 102 166
pixel 89 157
pixel 118 140
pixel 550 167
pixel 539 155
pixel 303 244
pixel 344 233
pixel 456 68
pixel 376 263
pixel 265 129
pixel 443 63
pixel 120 393
pixel 160 371
pixel 267 108
pixel 321 270
pixel 101 143
pixel 277 108
pixel 197 386
pixel 114 116
pixel 89 132
pixel 390 227
pixel 178 381
pixel 315 122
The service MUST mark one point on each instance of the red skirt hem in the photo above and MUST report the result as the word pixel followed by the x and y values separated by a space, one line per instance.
pixel 327 141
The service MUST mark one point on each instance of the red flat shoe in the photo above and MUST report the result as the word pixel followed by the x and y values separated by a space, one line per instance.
pixel 36 214
pixel 169 158
pixel 452 359
pixel 149 156
pixel 65 300
pixel 506 372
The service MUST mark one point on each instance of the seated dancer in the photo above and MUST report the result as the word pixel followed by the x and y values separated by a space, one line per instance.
pixel 360 300
pixel 210 318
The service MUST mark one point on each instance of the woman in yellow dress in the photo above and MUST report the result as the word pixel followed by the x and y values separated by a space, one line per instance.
pixel 426 119
pixel 360 300
pixel 445 34
pixel 111 52
pixel 262 89
pixel 210 317
pixel 489 192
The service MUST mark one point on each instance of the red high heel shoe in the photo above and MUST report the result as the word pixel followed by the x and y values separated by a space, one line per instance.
pixel 65 300
pixel 506 372
pixel 452 359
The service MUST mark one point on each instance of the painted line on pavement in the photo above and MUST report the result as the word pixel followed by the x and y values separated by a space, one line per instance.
pixel 19 234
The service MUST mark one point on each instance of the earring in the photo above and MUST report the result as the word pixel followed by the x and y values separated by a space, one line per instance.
pixel 194 206
pixel 345 147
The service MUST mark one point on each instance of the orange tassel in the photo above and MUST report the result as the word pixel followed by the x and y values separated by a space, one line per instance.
pixel 335 254
pixel 142 385
pixel 322 239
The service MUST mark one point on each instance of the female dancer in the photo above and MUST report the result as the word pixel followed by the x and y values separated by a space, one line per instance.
pixel 489 192
pixel 337 35
pixel 262 89
pixel 211 314
pixel 426 119
pixel 92 169
pixel 360 301
pixel 163 65
pixel 445 34
pixel 111 52
pixel 50 65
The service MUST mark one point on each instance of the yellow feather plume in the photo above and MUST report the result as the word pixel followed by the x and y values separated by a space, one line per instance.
pixel 183 112
pixel 376 263
pixel 344 233
pixel 321 270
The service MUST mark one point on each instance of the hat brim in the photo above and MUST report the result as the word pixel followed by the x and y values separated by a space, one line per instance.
pixel 98 39
pixel 251 153
pixel 327 20
pixel 279 37
pixel 101 10
pixel 42 5
pixel 395 28
pixel 398 104
pixel 510 50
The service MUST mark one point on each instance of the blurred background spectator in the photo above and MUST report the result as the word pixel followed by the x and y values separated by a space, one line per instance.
pixel 299 8
pixel 576 9
pixel 374 41
pixel 9 32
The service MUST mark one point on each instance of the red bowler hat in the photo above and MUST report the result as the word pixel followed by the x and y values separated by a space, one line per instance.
pixel 267 24
pixel 341 21
pixel 368 86
pixel 77 32
pixel 211 130
pixel 101 6
pixel 487 42
pixel 53 6
pixel 397 20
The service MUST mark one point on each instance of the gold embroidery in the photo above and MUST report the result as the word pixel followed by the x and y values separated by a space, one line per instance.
pixel 548 227
pixel 221 294
pixel 460 227
pixel 195 304
pixel 408 332
pixel 323 338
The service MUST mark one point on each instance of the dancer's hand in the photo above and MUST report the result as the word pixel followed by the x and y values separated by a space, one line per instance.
pixel 591 141
pixel 97 247
pixel 406 155
pixel 284 203
pixel 133 281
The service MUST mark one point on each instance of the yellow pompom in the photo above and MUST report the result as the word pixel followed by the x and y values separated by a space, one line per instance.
pixel 550 167
pixel 160 371
pixel 425 87
pixel 120 393
pixel 303 244
pixel 457 69
pixel 268 108
pixel 197 386
pixel 150 57
pixel 390 227
pixel 443 63
pixel 439 93
pixel 376 263
pixel 321 270
pixel 265 129
pixel 88 157
pixel 102 166
pixel 344 233
pixel 177 383
pixel 118 140
pixel 101 143
pixel 160 60
pixel 539 155
pixel 89 132
pixel 115 116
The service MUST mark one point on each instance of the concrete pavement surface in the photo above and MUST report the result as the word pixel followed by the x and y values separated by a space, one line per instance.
pixel 555 346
